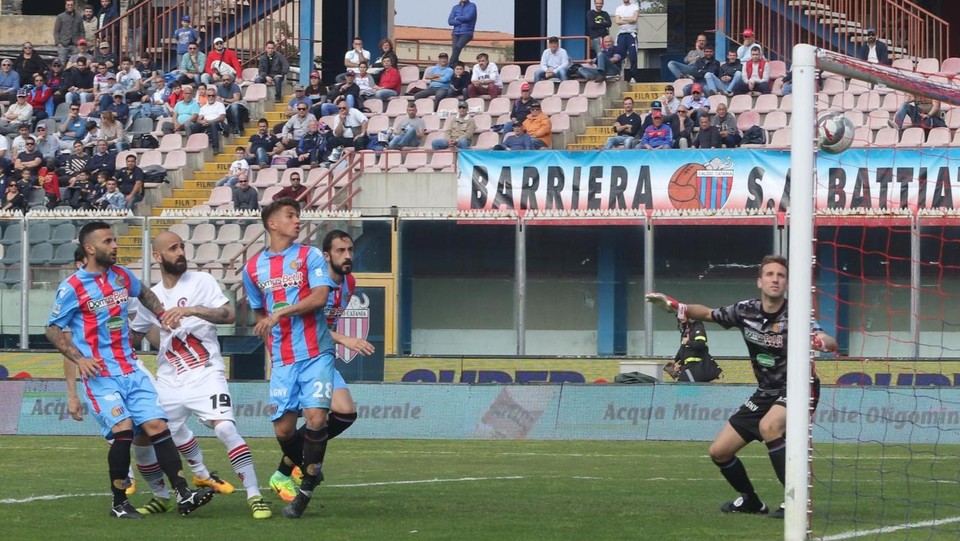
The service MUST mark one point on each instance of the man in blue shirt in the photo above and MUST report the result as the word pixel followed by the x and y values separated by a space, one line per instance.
pixel 463 19
pixel 184 36
pixel 439 78
pixel 9 81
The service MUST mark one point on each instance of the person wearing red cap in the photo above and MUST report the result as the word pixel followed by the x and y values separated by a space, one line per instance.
pixel 67 31
pixel 520 110
pixel 657 135
pixel 696 103
pixel 272 69
pixel 743 52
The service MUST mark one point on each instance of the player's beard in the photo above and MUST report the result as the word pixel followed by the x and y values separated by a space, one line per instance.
pixel 176 268
pixel 344 268
pixel 105 259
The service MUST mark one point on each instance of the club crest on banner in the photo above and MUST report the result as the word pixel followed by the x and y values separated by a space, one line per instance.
pixel 354 322
pixel 715 182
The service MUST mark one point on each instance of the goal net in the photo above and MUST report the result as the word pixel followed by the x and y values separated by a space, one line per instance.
pixel 880 457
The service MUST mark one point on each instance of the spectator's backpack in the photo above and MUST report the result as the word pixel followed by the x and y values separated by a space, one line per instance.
pixel 144 140
pixel 154 174
pixel 755 135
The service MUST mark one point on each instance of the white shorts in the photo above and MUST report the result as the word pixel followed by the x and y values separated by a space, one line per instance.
pixel 208 397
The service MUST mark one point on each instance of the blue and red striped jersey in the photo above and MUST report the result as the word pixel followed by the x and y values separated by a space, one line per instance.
pixel 94 308
pixel 339 300
pixel 275 280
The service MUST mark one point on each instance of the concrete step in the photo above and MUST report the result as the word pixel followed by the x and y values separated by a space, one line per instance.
pixel 208 185
pixel 129 240
pixel 187 193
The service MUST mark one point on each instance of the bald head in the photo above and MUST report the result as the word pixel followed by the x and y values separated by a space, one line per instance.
pixel 165 239
pixel 169 252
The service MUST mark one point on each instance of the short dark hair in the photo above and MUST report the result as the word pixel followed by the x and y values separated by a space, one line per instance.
pixel 482 55
pixel 270 42
pixel 627 98
pixel 127 59
pixel 88 229
pixel 553 39
pixel 363 63
pixel 333 235
pixel 773 258
pixel 443 55
pixel 708 46
pixel 240 148
pixel 274 207
pixel 263 120
pixel 460 64
pixel 79 254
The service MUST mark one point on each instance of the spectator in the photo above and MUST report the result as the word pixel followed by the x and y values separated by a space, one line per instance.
pixel 378 66
pixel 40 98
pixel 185 36
pixel 105 57
pixel 538 126
pixel 272 69
pixel 316 91
pixel 296 127
pixel 131 80
pixel 755 76
pixel 485 78
pixel 517 139
pixel 365 83
pixel 245 196
pixel 705 65
pixel 112 198
pixel 460 83
pixel 238 167
pixel 459 130
pixel 90 23
pixel 696 103
pixel 50 183
pixel 28 63
pixel 112 131
pixel 20 141
pixel 185 113
pixel 669 101
pixel 27 165
pixel 708 136
pixel 688 66
pixel 103 83
pixel 626 128
pixel 78 83
pixel 107 15
pixel 683 128
pixel 873 51
pixel 48 144
pixel 73 129
pixel 658 135
pixel 192 65
pixel 299 98
pixel 102 160
pixel 295 191
pixel 726 123
pixel 119 109
pixel 55 81
pixel 212 119
pixel 722 82
pixel 262 145
pixel 154 105
pixel 608 62
pixel 82 51
pixel 149 69
pixel 625 17
pixel 176 94
pixel 922 110
pixel 130 181
pixel 9 81
pixel 598 26
pixel 349 129
pixel 520 110
pixel 67 31
pixel 438 79
pixel 554 62
pixel 17 114
pixel 346 92
pixel 92 136
pixel 352 58
pixel 6 164
pixel 73 164
pixel 463 19
pixel 389 85
pixel 220 61
pixel 408 130
pixel 311 147
pixel 743 51
pixel 237 114
pixel 13 200
pixel 88 192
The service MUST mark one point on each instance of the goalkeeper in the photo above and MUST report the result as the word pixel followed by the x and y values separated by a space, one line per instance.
pixel 693 362
pixel 763 416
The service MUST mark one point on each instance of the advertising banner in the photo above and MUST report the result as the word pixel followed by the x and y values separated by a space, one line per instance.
pixel 714 179
pixel 501 370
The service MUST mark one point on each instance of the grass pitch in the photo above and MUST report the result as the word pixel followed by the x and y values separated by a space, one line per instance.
pixel 55 488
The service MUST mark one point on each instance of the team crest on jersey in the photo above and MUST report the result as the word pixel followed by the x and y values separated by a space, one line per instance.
pixel 119 281
pixel 295 264
pixel 354 322
pixel 117 411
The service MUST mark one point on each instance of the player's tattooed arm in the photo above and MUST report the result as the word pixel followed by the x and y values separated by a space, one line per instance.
pixel 150 301
pixel 221 315
pixel 87 366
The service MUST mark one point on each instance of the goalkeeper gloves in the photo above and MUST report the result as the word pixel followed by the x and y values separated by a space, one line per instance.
pixel 669 304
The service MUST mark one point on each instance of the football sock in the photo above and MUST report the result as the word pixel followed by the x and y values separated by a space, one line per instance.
pixel 190 449
pixel 169 462
pixel 118 462
pixel 292 451
pixel 339 422
pixel 778 457
pixel 314 448
pixel 150 470
pixel 239 455
pixel 736 474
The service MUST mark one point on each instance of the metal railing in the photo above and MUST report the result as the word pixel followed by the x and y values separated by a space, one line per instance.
pixel 420 46
pixel 841 26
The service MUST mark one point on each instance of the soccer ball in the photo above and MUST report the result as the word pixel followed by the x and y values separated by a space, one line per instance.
pixel 835 133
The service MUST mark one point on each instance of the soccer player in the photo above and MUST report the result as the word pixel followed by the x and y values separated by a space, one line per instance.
pixel 338 253
pixel 92 303
pixel 191 374
pixel 287 285
pixel 763 417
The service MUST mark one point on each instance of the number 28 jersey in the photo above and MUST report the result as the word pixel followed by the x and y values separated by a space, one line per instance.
pixel 192 349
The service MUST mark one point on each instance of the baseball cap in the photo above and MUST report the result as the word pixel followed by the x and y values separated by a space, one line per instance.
pixel 462 105
pixel 748 32
pixel 351 74
pixel 525 86
pixel 656 105
pixel 696 88
pixel 185 18
pixel 656 114
pixel 218 40
pixel 298 88
pixel 81 41
pixel 315 74
pixel 534 104
pixel 104 44
pixel 118 93
pixel 871 32
pixel 57 63
pixel 21 93
pixel 112 76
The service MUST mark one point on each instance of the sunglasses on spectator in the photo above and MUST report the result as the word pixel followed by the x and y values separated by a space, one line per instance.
pixel 211 95
pixel 41 128
pixel 74 108
pixel 29 144
pixel 6 64
pixel 696 91
pixel 241 182
pixel 342 108
pixel 301 108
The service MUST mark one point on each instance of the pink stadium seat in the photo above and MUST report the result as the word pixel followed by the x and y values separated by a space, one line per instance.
pixel 778 68
pixel 832 86
pixel 266 177
pixel 767 103
pixel 415 160
pixel 430 122
pixel 877 119
pixel 594 89
pixel 822 101
pixel 855 116
pixel 559 123
pixel 498 106
pixel 267 196
pixel 476 105
pixel 938 137
pixel 220 195
pixel 317 176
pixel 483 122
pixel 487 140
pixel 396 108
pixel 680 83
pixel 121 160
pixel 903 64
pixel 928 65
pixel 86 109
pixel 786 102
pixel 869 101
pixel 171 141
pixel 390 159
pixel 911 137
pixel 377 124
pixel 892 101
pixel 844 100
pixel 863 137
pixel 255 92
pixel 249 74
pixel 175 161
pixel 857 87
pixel 151 157
pixel 886 137
pixel 510 73
pixel 197 142
pixel 530 72
pixel 424 106
pixel 542 89
pixel 409 74
pixel 568 89
pixel 747 120
pixel 740 103
pixel 551 105
pixel 513 90
pixel 449 105
pixel 781 138
pixel 953 119
pixel 375 105
pixel 577 106
pixel 950 66
pixel 368 161
pixel 774 121
pixel 442 160
pixel 715 100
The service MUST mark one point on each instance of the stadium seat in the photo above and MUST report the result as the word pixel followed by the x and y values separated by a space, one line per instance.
pixel 928 65
pixel 409 74
pixel 267 196
pixel 486 141
pixel 543 89
pixel 680 84
pixel 151 157
pixel 846 101
pixel 375 105
pixel 254 231
pixel 442 160
pixel 476 105
pixel 877 119
pixel 911 137
pixel 63 254
pixel 767 103
pixel 215 270
pixel 857 87
pixel 141 125
pixel 220 196
pixel 483 122
pixel 869 101
pixel 181 229
pixel 369 162
pixel 171 142
pixel 741 103
pixel 431 123
pixel 86 109
pixel 230 251
pixel 568 89
pixel 513 90
pixel 903 64
pixel 448 105
pixel 747 120
pixel 950 66
pixel 832 86
pixel 390 159
pixel 202 233
pixel 953 119
pixel 530 73
pixel 786 103
pixel 510 73
pixel 396 108
pixel 38 232
pixel 594 89
pixel 937 138
pixel 121 160
pixel 577 105
pixel 42 253
pixel 716 100
pixel 416 160
pixel 821 102
pixel 886 137
pixel 424 106
pixel 249 74
pixel 12 253
pixel 63 233
pixel 378 124
pixel 316 176
pixel 863 137
pixel 774 121
pixel 781 138
pixel 893 101
pixel 778 68
pixel 551 105
pixel 559 123
pixel 208 252
pixel 174 164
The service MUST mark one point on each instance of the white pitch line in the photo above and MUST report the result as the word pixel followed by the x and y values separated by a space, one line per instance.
pixel 890 529
pixel 51 497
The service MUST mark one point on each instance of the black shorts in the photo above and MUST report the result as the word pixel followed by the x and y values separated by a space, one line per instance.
pixel 746 421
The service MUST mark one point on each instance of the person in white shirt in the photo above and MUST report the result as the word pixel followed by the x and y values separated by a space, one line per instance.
pixel 626 17
pixel 365 81
pixel 755 76
pixel 743 51
pixel 349 129
pixel 212 118
pixel 352 58
pixel 485 79
pixel 18 113
pixel 553 62
pixel 238 168
pixel 130 78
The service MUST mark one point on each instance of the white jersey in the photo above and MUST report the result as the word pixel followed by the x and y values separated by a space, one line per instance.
pixel 627 10
pixel 190 351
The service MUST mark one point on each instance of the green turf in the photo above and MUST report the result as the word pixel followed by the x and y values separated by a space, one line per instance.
pixel 497 490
